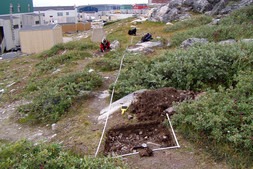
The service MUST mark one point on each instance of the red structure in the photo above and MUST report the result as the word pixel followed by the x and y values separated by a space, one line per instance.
pixel 160 1
pixel 140 6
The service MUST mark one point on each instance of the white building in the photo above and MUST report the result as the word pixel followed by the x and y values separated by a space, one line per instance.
pixel 58 14
pixel 10 26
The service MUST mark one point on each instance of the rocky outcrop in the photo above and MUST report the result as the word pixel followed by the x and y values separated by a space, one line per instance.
pixel 115 44
pixel 179 9
pixel 144 47
pixel 191 41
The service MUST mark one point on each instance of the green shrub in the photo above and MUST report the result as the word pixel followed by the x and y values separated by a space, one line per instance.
pixel 240 16
pixel 104 64
pixel 25 154
pixel 54 98
pixel 52 63
pixel 223 119
pixel 196 68
pixel 214 33
pixel 191 23
pixel 73 45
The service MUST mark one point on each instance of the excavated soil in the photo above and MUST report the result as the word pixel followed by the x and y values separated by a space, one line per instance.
pixel 122 139
pixel 152 105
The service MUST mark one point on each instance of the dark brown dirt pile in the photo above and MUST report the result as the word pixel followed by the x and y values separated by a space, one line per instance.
pixel 150 105
pixel 121 140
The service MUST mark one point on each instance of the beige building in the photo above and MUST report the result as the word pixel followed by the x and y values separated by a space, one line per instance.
pixel 35 39
pixel 72 27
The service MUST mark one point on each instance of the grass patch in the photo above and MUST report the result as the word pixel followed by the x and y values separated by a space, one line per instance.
pixel 52 63
pixel 55 97
pixel 25 154
pixel 191 23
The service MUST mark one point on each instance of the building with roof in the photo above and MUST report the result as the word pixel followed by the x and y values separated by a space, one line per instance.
pixel 57 14
pixel 17 6
pixel 38 38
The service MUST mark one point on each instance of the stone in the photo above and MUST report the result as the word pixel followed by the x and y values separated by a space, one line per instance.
pixel 115 44
pixel 247 40
pixel 191 41
pixel 146 152
pixel 201 6
pixel 169 23
pixel 150 44
pixel 147 51
pixel 130 117
pixel 214 22
pixel 53 126
pixel 168 44
pixel 225 42
pixel 218 7
pixel 97 34
pixel 188 2
pixel 170 110
pixel 116 106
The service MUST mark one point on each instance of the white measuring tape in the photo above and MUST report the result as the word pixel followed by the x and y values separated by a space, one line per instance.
pixel 121 62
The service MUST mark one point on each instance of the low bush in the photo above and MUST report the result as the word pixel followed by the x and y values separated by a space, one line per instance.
pixel 25 154
pixel 222 120
pixel 74 45
pixel 214 33
pixel 104 64
pixel 191 23
pixel 199 67
pixel 54 98
pixel 52 63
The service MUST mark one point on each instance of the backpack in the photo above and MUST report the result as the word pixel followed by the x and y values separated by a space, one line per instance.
pixel 146 37
pixel 132 32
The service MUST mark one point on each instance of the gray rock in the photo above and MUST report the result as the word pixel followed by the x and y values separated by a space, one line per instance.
pixel 218 7
pixel 130 117
pixel 233 7
pixel 201 6
pixel 150 44
pixel 225 42
pixel 188 2
pixel 185 17
pixel 214 22
pixel 53 126
pixel 247 40
pixel 191 41
pixel 115 44
pixel 169 44
pixel 147 51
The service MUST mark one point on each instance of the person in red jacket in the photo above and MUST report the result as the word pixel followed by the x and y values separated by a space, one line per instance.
pixel 105 44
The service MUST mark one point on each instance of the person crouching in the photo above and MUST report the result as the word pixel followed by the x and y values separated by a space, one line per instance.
pixel 105 44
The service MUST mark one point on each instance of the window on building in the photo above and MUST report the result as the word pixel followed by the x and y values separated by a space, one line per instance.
pixel 11 8
pixel 19 8
pixel 51 16
pixel 43 14
pixel 67 13
pixel 37 22
pixel 29 8
pixel 59 14
pixel 15 26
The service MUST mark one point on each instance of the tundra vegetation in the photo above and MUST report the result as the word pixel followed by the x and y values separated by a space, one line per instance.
pixel 220 121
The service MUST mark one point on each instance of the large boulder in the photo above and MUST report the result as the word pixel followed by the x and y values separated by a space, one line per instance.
pixel 191 41
pixel 115 44
pixel 143 47
pixel 233 7
pixel 218 7
pixel 202 6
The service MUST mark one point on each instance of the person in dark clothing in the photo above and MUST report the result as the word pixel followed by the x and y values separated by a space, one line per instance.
pixel 146 37
pixel 105 44
pixel 132 32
